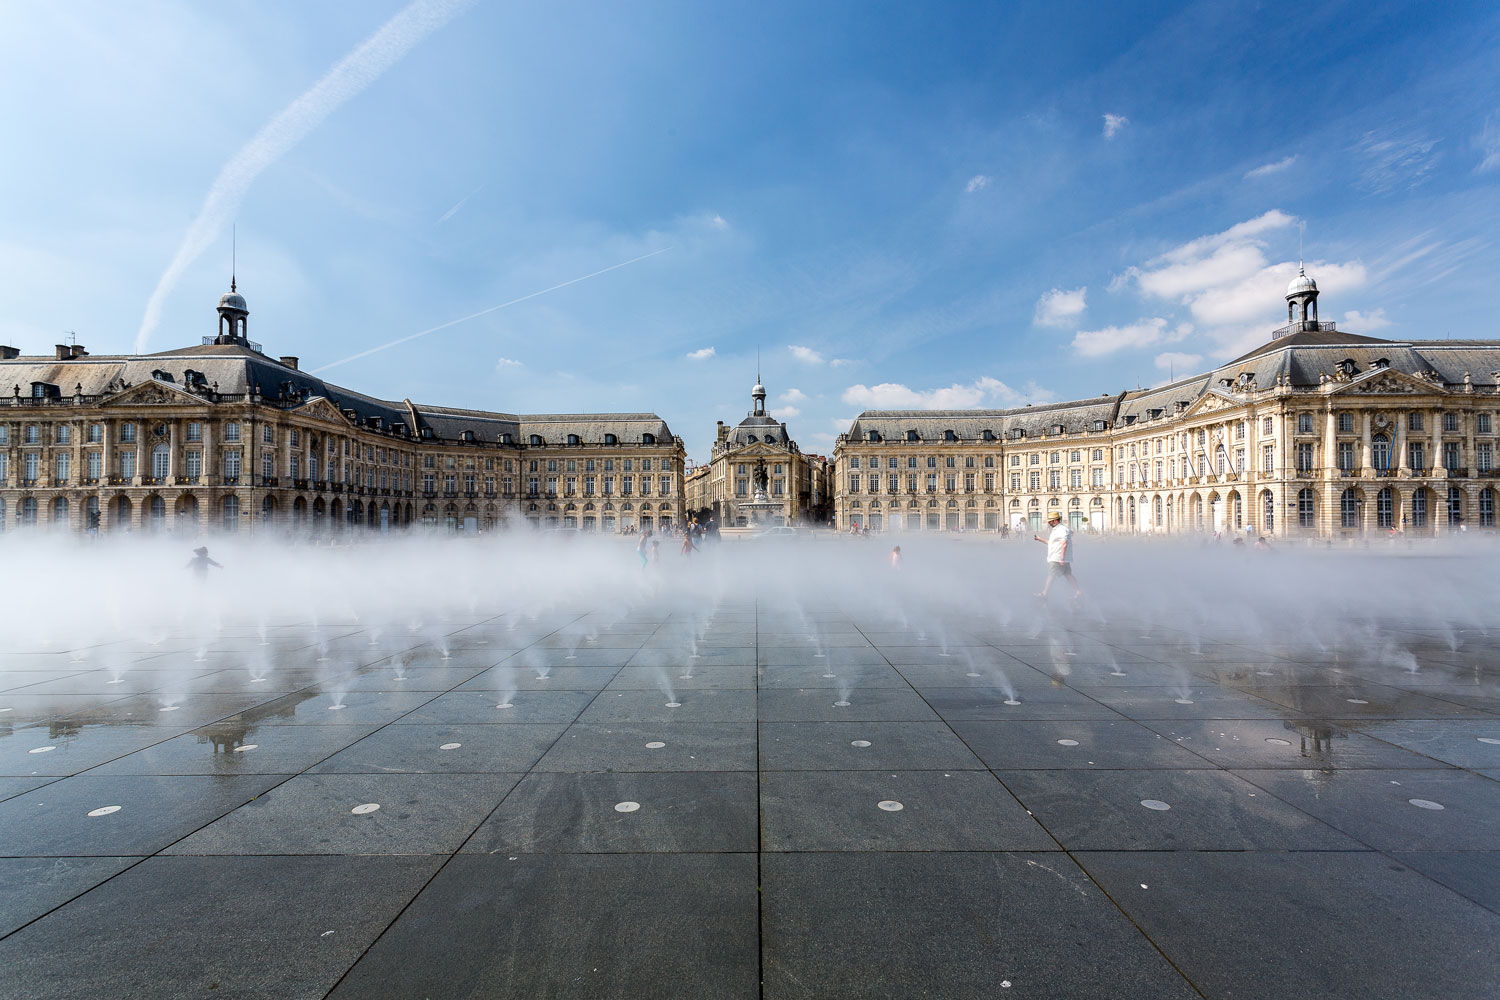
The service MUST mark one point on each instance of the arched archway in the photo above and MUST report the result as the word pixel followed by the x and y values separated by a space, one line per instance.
pixel 121 510
pixel 186 513
pixel 60 510
pixel 156 513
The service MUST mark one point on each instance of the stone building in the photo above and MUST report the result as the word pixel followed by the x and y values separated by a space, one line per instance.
pixel 220 436
pixel 1317 432
pixel 798 482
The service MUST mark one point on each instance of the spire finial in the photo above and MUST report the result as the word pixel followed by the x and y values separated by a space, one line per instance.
pixel 757 363
pixel 1301 231
pixel 233 254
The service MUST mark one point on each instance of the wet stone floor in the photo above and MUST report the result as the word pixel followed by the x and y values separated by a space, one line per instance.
pixel 811 805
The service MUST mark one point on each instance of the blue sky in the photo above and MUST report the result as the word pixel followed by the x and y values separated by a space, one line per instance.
pixel 898 205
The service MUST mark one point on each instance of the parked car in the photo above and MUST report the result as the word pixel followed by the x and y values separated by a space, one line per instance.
pixel 778 531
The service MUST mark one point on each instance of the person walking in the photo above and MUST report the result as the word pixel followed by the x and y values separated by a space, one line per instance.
pixel 896 557
pixel 1059 544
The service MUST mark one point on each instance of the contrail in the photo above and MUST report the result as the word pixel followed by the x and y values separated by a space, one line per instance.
pixel 485 312
pixel 346 79
pixel 454 210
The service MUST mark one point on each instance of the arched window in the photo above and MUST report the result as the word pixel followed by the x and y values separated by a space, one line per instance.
pixel 157 510
pixel 611 439
pixel 1306 510
pixel 161 460
pixel 1380 451
pixel 573 439
pixel 1385 508
pixel 231 513
pixel 1455 505
pixel 28 510
pixel 1268 506
pixel 1419 508
pixel 1349 508
pixel 60 512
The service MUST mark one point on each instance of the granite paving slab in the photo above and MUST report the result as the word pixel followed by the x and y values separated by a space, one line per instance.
pixel 1302 744
pixel 1408 810
pixel 667 812
pixel 950 925
pixel 32 887
pixel 193 927
pixel 686 746
pixel 938 811
pixel 1081 744
pixel 1297 924
pixel 232 749
pixel 444 748
pixel 119 815
pixel 862 746
pixel 554 925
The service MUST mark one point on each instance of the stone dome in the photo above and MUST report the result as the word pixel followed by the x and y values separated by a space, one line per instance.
pixel 233 300
pixel 1301 283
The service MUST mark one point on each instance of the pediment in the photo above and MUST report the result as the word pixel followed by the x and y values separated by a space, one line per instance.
pixel 1389 382
pixel 1210 400
pixel 154 393
pixel 323 409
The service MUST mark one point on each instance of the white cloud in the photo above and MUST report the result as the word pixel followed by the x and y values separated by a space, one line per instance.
pixel 1113 124
pixel 1178 361
pixel 786 412
pixel 792 396
pixel 1097 343
pixel 841 362
pixel 806 354
pixel 718 221
pixel 1359 322
pixel 505 363
pixel 895 396
pixel 977 183
pixel 1226 281
pixel 1267 169
pixel 1488 144
pixel 702 354
pixel 1395 160
pixel 1060 308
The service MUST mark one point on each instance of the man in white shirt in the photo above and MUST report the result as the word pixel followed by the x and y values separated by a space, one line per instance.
pixel 1059 544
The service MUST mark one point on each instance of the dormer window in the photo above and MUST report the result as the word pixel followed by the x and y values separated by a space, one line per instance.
pixel 505 437
pixel 751 439
pixel 611 439
pixel 913 436
pixel 1057 428
pixel 874 436
pixel 1100 425
pixel 949 436
pixel 467 437
pixel 1018 434
pixel 573 439
pixel 1382 362
pixel 648 439
pixel 987 434
pixel 1348 367
pixel 536 440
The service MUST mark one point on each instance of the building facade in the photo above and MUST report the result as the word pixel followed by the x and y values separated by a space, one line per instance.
pixel 1317 432
pixel 219 436
pixel 798 482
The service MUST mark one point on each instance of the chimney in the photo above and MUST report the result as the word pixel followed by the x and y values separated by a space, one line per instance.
pixel 9 353
pixel 290 361
pixel 78 351
pixel 64 352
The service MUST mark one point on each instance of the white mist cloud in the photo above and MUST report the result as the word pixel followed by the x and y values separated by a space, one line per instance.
pixel 792 396
pixel 505 363
pixel 841 362
pixel 1177 361
pixel 1395 160
pixel 976 183
pixel 1113 124
pixel 983 390
pixel 1358 322
pixel 1488 144
pixel 1145 333
pixel 702 354
pixel 806 354
pixel 1267 169
pixel 347 79
pixel 786 412
pixel 1060 308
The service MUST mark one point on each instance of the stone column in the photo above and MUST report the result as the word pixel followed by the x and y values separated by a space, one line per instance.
pixel 109 454
pixel 209 472
pixel 1366 462
pixel 173 443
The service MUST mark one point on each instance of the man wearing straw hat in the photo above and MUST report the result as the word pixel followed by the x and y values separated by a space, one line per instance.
pixel 1059 544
